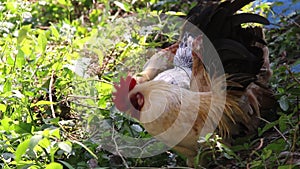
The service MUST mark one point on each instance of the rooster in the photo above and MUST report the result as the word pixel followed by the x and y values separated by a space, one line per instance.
pixel 177 115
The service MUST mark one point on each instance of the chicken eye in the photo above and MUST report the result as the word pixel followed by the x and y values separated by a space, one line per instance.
pixel 137 100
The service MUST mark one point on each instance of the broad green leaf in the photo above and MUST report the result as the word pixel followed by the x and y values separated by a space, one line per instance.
pixel 54 165
pixel 64 146
pixel 21 149
pixel 22 128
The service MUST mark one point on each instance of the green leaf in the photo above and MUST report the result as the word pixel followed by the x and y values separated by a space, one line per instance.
pixel 283 102
pixel 2 107
pixel 277 146
pixel 20 60
pixel 55 132
pixel 54 165
pixel 22 128
pixel 12 6
pixel 22 34
pixel 42 102
pixel 34 140
pixel 64 146
pixel 45 142
pixel 123 6
pixel 42 42
pixel 54 32
pixel 85 147
pixel 66 164
pixel 286 166
pixel 266 128
pixel 283 123
pixel 7 86
pixel 7 124
pixel 21 149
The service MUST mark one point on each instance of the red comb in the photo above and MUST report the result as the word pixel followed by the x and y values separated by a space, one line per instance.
pixel 120 97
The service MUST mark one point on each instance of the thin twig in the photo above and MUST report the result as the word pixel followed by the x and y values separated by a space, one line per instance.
pixel 285 139
pixel 50 94
pixel 97 80
pixel 91 107
pixel 117 147
pixel 83 97
pixel 259 146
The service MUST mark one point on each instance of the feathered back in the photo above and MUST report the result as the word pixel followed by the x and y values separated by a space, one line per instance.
pixel 235 45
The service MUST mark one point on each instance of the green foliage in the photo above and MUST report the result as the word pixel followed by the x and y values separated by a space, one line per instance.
pixel 50 108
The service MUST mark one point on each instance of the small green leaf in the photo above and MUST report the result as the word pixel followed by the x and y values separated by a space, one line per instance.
pixel 283 102
pixel 42 102
pixel 21 149
pixel 22 34
pixel 123 6
pixel 86 148
pixel 54 32
pixel 20 59
pixel 7 86
pixel 45 142
pixel 2 107
pixel 54 165
pixel 7 124
pixel 42 42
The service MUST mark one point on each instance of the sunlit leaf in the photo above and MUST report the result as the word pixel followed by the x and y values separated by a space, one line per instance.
pixel 2 107
pixel 54 165
pixel 124 6
pixel 42 42
pixel 42 102
pixel 20 59
pixel 54 32
pixel 21 149
pixel 22 34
